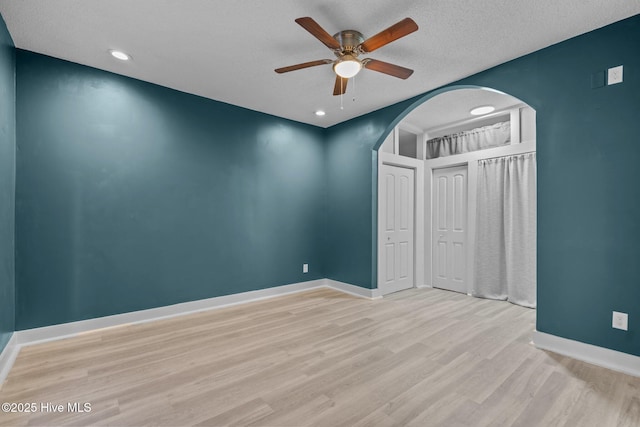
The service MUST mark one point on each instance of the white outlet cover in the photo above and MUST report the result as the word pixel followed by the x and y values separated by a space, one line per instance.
pixel 614 75
pixel 620 320
pixel 305 268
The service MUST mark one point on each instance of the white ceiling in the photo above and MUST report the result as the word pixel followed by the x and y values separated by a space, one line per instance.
pixel 455 106
pixel 227 49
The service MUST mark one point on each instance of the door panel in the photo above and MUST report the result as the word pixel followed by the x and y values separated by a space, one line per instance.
pixel 404 203
pixel 390 188
pixel 442 203
pixel 450 229
pixel 404 260
pixel 459 202
pixel 397 254
pixel 391 259
pixel 458 262
pixel 441 257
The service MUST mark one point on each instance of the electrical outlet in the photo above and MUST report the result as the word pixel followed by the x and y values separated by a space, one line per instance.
pixel 305 268
pixel 620 320
pixel 614 75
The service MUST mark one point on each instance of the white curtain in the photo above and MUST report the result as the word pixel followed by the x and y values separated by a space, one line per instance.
pixel 505 265
pixel 473 140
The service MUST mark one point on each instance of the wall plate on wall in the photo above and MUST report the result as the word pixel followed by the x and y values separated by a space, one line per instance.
pixel 620 320
pixel 614 75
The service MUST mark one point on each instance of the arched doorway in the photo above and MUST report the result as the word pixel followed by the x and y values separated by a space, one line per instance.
pixel 435 153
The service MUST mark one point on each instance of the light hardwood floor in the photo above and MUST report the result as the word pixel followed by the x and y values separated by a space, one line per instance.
pixel 422 357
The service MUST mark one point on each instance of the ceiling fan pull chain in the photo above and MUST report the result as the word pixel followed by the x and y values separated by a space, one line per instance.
pixel 354 89
pixel 341 93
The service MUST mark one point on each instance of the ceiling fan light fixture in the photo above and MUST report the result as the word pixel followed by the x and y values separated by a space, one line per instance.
pixel 347 66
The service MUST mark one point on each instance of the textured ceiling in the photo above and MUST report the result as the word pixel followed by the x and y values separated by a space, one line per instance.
pixel 227 49
pixel 455 106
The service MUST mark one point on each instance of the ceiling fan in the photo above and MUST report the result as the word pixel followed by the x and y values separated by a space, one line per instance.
pixel 348 45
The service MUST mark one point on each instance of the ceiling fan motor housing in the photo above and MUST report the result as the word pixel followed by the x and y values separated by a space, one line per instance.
pixel 349 40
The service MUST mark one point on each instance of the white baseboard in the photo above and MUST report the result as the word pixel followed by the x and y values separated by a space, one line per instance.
pixel 67 330
pixel 600 356
pixel 8 356
pixel 353 289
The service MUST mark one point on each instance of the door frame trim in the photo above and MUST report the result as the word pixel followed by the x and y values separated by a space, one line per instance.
pixel 418 215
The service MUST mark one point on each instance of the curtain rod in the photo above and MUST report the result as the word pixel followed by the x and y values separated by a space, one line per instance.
pixel 508 155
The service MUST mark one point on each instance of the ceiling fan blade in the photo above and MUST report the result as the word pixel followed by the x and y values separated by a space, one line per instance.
pixel 318 32
pixel 386 68
pixel 394 32
pixel 340 87
pixel 303 65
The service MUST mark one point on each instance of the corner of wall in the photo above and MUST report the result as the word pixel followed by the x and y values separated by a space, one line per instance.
pixel 7 184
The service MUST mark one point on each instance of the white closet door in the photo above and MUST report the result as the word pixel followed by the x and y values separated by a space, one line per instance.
pixel 396 229
pixel 450 228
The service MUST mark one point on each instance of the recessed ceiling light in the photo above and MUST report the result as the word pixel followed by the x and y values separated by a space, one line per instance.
pixel 119 55
pixel 320 113
pixel 485 109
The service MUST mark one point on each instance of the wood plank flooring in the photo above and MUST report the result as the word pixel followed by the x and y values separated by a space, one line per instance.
pixel 422 357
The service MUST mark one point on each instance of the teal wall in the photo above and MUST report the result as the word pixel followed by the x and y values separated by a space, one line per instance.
pixel 349 200
pixel 588 175
pixel 131 196
pixel 7 184
pixel 351 194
